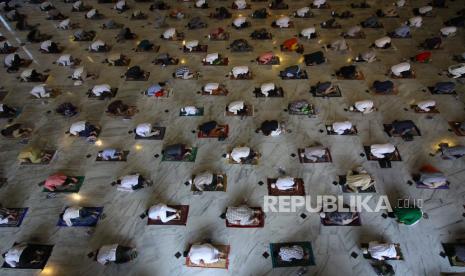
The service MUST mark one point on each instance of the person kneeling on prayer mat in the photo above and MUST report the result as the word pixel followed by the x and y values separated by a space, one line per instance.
pixel 432 179
pixel 110 154
pixel 177 151
pixel 348 72
pixel 160 212
pixel 212 87
pixel 402 128
pixel 237 108
pixel 432 43
pixel 81 35
pixel 282 22
pixel 401 32
pixel 382 43
pixel 338 218
pixel 117 59
pixel 78 215
pixel 135 73
pixel 190 110
pixel 23 255
pixel 383 86
pixel 364 107
pixel 291 253
pixel 102 91
pixel 240 71
pixel 422 57
pixel 324 88
pixel 118 108
pixel 381 151
pixel 67 60
pixel 368 56
pixel 114 253
pixel 451 152
pixel 211 128
pixel 240 22
pixel 243 215
pixel 125 34
pixel 204 181
pixel 271 128
pixel 98 46
pixel 416 21
pixel 387 12
pixel 33 155
pixel 427 105
pixel 448 31
pixel 7 111
pixel 49 46
pixel 358 179
pixel 146 130
pixel 242 155
pixel 269 89
pixel 59 181
pixel 408 215
pixel 292 72
pixel 339 45
pixel 40 91
pixel 342 127
pixel 284 183
pixel 313 153
pixel 202 254
pixel 8 215
pixel 444 87
pixel 382 251
pixel 129 183
pixel 402 70
pixel 14 131
pixel 184 73
pixel 84 129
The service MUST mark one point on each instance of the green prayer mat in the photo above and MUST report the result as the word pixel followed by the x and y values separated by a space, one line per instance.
pixel 74 189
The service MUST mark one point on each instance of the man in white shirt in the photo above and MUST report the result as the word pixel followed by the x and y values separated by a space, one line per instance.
pixel 107 254
pixel 65 60
pixel 242 154
pixel 25 255
pixel 242 215
pixel 284 183
pixel 342 127
pixel 120 6
pixel 191 44
pixel 308 33
pixel 206 253
pixel 13 255
pixel 425 10
pixel 416 21
pixel 129 183
pixel 427 105
pixel 240 4
pixel 449 31
pixel 303 12
pixel 354 31
pixel 313 153
pixel 101 90
pixel 202 180
pixel 399 69
pixel 160 212
pixel 240 71
pixel 291 253
pixel 382 150
pixel 79 215
pixel 65 24
pixel 146 130
pixel 319 3
pixel 236 107
pixel 368 56
pixel 44 46
pixel 210 87
pixel 381 251
pixel 39 91
pixel 365 106
pixel 283 22
pixel 189 110
pixel 240 22
pixel 383 43
pixel 77 127
pixel 211 58
pixel 70 214
pixel 92 14
pixel 169 33
pixel 98 46
pixel 266 88
pixel 202 4
pixel 79 74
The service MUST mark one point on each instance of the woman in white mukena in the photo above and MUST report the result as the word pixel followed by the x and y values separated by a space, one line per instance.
pixel 236 107
pixel 313 153
pixel 211 58
pixel 160 212
pixel 383 43
pixel 416 21
pixel 240 71
pixel 240 4
pixel 381 150
pixel 146 130
pixel 308 33
pixel 365 106
pixel 191 44
pixel 284 183
pixel 240 22
pixel 303 12
pixel 283 22
pixel 40 91
pixel 100 90
pixel 201 254
pixel 398 69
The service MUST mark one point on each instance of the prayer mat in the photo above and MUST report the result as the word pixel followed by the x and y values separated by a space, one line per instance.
pixel 254 161
pixel 395 156
pixel 345 188
pixel 198 49
pixel 70 188
pixel 359 76
pixel 89 223
pixel 200 113
pixel 160 136
pixel 278 94
pixel 420 185
pixel 248 108
pixel 47 249
pixel 217 178
pixel 450 253
pixel 335 94
pixel 304 77
pixel 310 112
pixel 455 126
pixel 49 152
pixel 325 159
pixel 368 256
pixel 223 134
pixel 181 221
pixel 433 110
pixel 297 190
pixel 356 222
pixel 145 78
pixel 91 95
pixel 308 260
pixel 260 224
pixel 223 62
pixel 190 158
pixel 431 90
pixel 21 213
pixel 124 157
pixel 351 132
pixel 222 263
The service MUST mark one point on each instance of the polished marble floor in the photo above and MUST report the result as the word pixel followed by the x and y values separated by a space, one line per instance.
pixel 157 246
